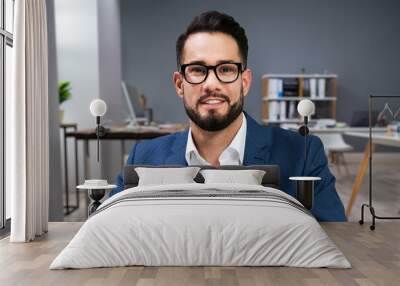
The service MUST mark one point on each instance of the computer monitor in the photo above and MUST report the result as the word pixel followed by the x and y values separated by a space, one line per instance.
pixel 132 101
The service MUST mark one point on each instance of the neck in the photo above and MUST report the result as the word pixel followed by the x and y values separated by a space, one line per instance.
pixel 210 144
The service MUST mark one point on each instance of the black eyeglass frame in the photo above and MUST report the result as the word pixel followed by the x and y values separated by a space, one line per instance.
pixel 214 68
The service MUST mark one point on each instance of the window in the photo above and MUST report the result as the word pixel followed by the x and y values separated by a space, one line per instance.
pixel 6 43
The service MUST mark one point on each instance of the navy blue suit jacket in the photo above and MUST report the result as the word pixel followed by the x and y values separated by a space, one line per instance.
pixel 264 145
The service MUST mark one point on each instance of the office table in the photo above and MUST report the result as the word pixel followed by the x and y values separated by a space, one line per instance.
pixel 341 130
pixel 119 133
pixel 114 133
pixel 374 255
pixel 378 138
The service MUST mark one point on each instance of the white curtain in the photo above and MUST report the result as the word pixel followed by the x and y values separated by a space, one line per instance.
pixel 27 135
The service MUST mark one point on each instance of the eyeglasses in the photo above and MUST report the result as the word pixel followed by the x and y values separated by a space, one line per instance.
pixel 198 73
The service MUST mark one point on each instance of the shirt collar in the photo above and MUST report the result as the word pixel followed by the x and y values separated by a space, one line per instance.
pixel 239 140
pixel 237 145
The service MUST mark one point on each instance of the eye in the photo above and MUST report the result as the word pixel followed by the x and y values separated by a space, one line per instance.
pixel 196 69
pixel 227 69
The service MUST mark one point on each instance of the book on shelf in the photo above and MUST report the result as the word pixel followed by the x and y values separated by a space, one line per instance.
pixel 306 88
pixel 321 87
pixel 317 87
pixel 290 87
pixel 282 110
pixel 313 87
pixel 292 110
pixel 275 88
pixel 274 110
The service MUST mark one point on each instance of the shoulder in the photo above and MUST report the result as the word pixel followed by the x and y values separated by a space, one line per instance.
pixel 285 134
pixel 293 139
pixel 290 139
pixel 277 136
pixel 270 132
pixel 162 142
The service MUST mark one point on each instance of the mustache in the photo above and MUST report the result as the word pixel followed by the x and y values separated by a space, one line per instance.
pixel 216 95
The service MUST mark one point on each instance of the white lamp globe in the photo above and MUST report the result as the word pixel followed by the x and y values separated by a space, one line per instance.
pixel 306 107
pixel 98 107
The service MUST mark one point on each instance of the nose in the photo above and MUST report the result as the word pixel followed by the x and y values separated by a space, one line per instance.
pixel 211 82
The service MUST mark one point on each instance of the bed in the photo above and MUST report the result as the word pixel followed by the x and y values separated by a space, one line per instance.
pixel 201 224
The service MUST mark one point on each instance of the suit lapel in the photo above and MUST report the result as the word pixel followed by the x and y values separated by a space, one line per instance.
pixel 257 148
pixel 258 143
pixel 178 148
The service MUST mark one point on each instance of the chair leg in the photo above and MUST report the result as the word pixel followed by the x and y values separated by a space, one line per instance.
pixel 345 164
pixel 337 161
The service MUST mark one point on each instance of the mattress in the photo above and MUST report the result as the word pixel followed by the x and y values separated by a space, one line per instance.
pixel 201 225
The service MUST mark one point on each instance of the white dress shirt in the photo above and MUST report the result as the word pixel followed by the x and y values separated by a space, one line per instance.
pixel 232 155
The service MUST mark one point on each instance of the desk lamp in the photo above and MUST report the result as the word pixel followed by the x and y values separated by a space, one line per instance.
pixel 97 188
pixel 98 108
pixel 305 185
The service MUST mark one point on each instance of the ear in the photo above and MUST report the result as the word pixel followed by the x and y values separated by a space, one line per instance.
pixel 247 76
pixel 178 83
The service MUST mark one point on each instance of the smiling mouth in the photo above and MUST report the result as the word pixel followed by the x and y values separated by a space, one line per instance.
pixel 213 102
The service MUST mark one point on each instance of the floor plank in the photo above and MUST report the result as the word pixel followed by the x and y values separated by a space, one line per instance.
pixel 374 255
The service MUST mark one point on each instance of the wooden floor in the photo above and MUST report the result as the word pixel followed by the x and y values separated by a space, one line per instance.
pixel 386 184
pixel 374 255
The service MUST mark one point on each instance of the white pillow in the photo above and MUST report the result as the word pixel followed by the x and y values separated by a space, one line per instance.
pixel 163 176
pixel 249 177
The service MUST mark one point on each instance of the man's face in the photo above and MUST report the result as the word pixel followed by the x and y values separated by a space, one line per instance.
pixel 212 105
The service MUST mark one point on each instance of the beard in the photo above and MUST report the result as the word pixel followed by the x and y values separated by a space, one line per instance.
pixel 213 121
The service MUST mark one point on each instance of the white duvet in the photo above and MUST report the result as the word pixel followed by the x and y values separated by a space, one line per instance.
pixel 185 230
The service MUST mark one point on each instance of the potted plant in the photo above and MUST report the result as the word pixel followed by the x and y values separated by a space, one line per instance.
pixel 64 93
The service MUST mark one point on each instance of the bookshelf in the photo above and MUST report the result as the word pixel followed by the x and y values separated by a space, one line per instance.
pixel 282 92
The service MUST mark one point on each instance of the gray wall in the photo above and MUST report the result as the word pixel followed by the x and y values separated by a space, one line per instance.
pixel 357 39
pixel 55 192
pixel 78 62
pixel 109 49
pixel 109 45
pixel 77 56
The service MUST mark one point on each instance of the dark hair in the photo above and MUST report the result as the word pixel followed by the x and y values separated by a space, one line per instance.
pixel 214 21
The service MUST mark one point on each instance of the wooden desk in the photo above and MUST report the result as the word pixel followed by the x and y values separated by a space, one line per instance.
pixel 374 255
pixel 378 138
pixel 122 133
pixel 119 133
pixel 341 130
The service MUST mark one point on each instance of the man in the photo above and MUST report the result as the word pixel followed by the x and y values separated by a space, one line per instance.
pixel 212 81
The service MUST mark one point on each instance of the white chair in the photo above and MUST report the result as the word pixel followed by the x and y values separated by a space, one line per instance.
pixel 335 147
